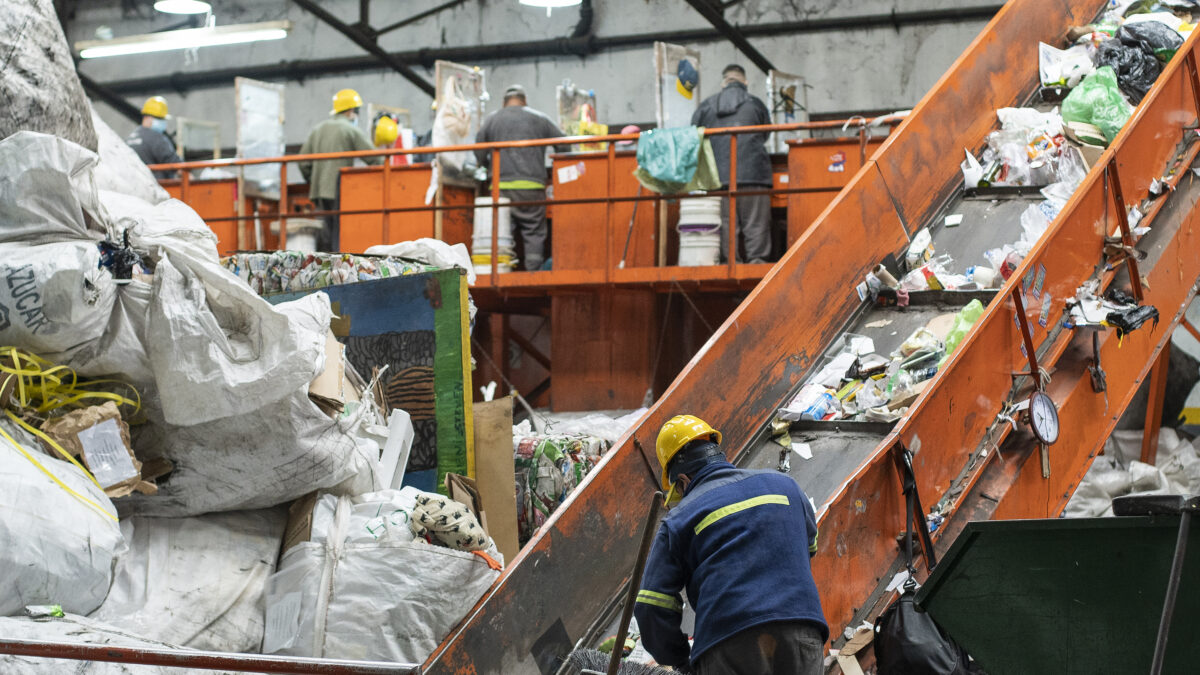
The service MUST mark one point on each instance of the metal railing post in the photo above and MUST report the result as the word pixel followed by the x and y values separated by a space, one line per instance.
pixel 387 200
pixel 283 205
pixel 732 204
pixel 495 217
pixel 608 207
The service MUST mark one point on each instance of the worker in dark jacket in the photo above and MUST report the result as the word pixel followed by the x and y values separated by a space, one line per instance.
pixel 739 543
pixel 734 106
pixel 522 170
pixel 150 140
pixel 339 133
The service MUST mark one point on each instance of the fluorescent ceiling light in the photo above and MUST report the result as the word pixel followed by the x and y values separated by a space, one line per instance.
pixel 182 7
pixel 189 38
pixel 550 4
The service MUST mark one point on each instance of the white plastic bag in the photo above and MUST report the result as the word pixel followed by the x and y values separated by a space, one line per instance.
pixel 196 582
pixel 355 596
pixel 46 187
pixel 1063 66
pixel 58 549
pixel 79 629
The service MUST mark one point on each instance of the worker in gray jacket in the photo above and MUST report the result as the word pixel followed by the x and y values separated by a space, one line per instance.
pixel 150 140
pixel 734 106
pixel 339 133
pixel 522 170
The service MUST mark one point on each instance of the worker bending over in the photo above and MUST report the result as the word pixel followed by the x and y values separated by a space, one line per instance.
pixel 339 133
pixel 739 543
pixel 150 140
pixel 522 170
pixel 733 106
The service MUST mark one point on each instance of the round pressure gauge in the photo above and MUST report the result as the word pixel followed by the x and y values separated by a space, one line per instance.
pixel 1043 417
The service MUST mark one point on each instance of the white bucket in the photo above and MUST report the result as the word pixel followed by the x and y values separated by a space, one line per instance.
pixel 481 237
pixel 700 211
pixel 301 233
pixel 698 248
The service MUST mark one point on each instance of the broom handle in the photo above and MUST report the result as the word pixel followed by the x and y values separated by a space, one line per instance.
pixel 635 582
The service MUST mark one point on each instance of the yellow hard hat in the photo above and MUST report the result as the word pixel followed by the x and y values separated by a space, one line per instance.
pixel 386 131
pixel 344 100
pixel 155 106
pixel 677 433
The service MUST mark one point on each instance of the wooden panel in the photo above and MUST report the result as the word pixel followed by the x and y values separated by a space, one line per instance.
pixel 602 360
pixel 494 471
pixel 579 237
pixel 819 163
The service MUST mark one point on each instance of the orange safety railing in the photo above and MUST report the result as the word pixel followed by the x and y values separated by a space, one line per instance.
pixel 608 199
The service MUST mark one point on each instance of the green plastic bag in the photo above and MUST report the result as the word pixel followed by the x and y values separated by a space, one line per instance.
pixel 1098 101
pixel 675 160
pixel 966 317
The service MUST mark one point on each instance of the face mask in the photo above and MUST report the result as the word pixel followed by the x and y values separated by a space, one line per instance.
pixel 159 125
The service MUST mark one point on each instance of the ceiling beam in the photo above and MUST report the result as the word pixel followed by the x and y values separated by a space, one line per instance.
pixel 369 45
pixel 716 17
pixel 114 100
pixel 418 16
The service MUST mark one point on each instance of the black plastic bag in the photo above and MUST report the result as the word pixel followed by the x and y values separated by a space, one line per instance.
pixel 908 641
pixel 1151 37
pixel 1136 69
pixel 1129 320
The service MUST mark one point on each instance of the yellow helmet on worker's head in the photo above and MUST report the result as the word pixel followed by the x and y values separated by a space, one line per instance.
pixel 675 435
pixel 346 99
pixel 386 132
pixel 155 106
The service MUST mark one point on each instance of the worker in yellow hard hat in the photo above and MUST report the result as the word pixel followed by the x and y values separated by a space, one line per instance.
pixel 739 542
pixel 150 140
pixel 339 133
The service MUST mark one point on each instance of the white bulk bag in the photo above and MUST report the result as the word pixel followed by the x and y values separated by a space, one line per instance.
pixel 349 595
pixel 57 549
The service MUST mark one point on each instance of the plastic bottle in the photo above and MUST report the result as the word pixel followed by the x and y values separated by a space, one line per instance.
pixel 820 409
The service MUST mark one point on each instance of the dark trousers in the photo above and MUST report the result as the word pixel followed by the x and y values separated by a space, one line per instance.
pixel 529 223
pixel 777 648
pixel 753 227
pixel 329 240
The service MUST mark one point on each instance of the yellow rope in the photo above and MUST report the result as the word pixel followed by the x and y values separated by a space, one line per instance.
pixel 54 444
pixel 54 478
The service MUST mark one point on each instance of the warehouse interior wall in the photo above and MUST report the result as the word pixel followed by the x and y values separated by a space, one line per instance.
pixel 858 68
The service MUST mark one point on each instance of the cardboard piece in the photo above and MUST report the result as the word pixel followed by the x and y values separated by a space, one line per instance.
pixel 100 439
pixel 464 491
pixel 300 520
pixel 495 473
pixel 332 389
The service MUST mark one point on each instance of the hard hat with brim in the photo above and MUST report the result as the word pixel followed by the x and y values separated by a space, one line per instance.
pixel 156 106
pixel 675 435
pixel 346 99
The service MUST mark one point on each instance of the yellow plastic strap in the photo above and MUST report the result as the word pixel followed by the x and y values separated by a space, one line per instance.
pixel 660 600
pixel 740 506
pixel 54 444
pixel 54 478
pixel 43 386
pixel 812 548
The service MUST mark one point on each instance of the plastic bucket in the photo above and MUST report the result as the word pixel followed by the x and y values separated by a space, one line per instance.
pixel 483 264
pixel 699 246
pixel 481 237
pixel 701 212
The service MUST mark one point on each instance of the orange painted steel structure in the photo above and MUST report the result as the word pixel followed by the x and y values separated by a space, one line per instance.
pixel 578 559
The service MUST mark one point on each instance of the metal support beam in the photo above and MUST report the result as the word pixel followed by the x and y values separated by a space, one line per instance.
pixel 97 90
pixel 194 658
pixel 716 17
pixel 418 16
pixel 1154 405
pixel 369 45
pixel 507 51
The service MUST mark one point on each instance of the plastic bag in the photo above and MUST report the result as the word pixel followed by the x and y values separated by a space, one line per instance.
pixel 1098 100
pixel 59 547
pixel 1152 37
pixel 675 160
pixel 1063 66
pixel 966 317
pixel 46 188
pixel 1136 69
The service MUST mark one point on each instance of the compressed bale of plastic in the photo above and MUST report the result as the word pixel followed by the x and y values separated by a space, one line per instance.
pixel 38 83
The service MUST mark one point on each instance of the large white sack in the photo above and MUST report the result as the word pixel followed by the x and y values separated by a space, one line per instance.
pixel 79 629
pixel 46 188
pixel 218 350
pixel 53 297
pixel 349 595
pixel 38 83
pixel 265 457
pixel 196 582
pixel 56 549
pixel 120 169
pixel 156 227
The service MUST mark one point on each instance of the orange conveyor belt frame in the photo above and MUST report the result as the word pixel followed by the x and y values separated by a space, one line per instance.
pixel 580 559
